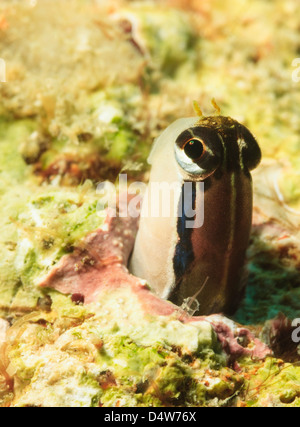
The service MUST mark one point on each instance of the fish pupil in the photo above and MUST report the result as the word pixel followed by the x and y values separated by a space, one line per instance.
pixel 193 149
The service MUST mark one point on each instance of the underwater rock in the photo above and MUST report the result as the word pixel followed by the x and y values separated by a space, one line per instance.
pixel 103 338
pixel 99 267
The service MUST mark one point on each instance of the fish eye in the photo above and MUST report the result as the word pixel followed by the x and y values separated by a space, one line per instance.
pixel 194 148
pixel 198 152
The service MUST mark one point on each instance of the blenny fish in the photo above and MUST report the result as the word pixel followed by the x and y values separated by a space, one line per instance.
pixel 211 156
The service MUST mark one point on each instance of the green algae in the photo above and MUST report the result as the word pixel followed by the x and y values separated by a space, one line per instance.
pixel 92 111
pixel 38 223
pixel 272 384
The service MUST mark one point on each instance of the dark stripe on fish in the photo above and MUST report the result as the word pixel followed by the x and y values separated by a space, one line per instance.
pixel 184 254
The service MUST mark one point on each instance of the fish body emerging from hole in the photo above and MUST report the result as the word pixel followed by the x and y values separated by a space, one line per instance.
pixel 206 162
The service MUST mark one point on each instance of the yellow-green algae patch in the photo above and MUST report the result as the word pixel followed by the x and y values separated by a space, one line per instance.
pixel 38 223
pixel 270 384
pixel 71 356
pixel 83 356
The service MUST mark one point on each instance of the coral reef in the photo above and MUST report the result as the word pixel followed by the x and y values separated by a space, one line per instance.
pixel 75 328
